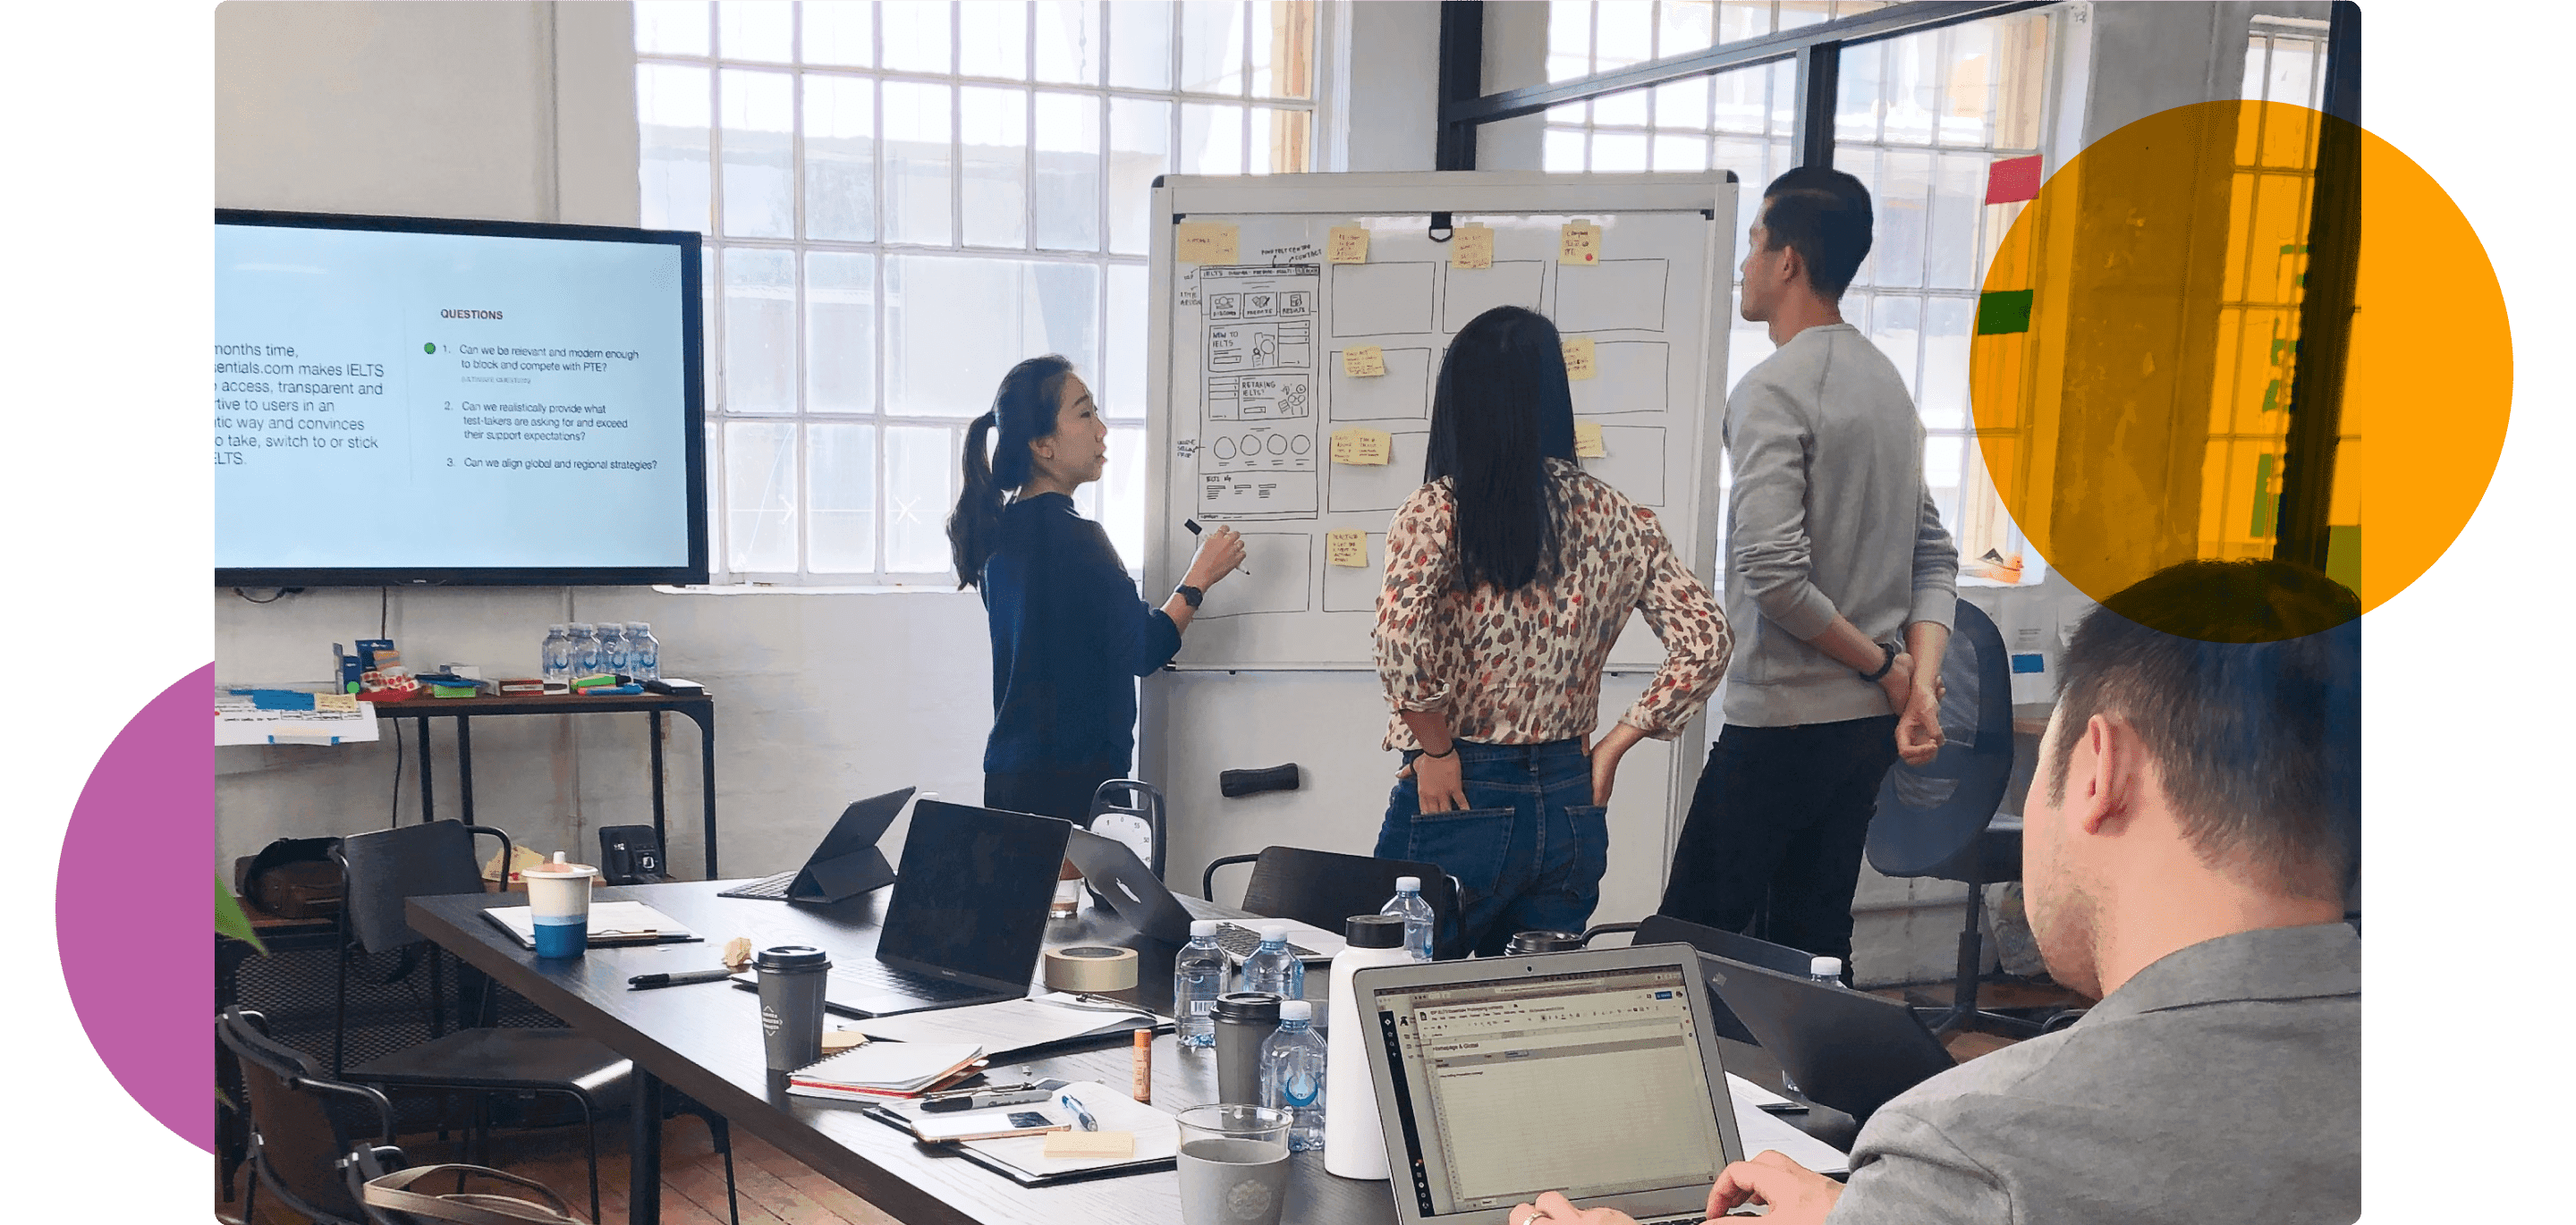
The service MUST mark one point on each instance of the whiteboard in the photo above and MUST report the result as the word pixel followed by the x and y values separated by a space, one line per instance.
pixel 1249 385
pixel 1278 665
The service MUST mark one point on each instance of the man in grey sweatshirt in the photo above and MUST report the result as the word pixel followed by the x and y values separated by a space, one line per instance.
pixel 1840 583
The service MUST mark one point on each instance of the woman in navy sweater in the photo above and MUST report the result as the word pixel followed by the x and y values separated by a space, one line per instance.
pixel 1070 635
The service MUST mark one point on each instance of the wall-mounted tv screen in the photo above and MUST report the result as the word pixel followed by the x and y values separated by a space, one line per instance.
pixel 403 401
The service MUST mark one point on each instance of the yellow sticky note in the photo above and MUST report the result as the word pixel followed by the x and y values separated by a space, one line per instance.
pixel 1472 246
pixel 1355 445
pixel 1064 1145
pixel 343 703
pixel 1578 358
pixel 1578 242
pixel 1205 242
pixel 1349 245
pixel 1363 361
pixel 1587 440
pixel 1346 547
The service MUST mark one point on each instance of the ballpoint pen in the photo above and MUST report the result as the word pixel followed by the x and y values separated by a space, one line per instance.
pixel 986 1099
pixel 642 981
pixel 1081 1117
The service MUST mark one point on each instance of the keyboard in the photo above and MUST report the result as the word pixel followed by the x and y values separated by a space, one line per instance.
pixel 1240 941
pixel 878 976
pixel 772 888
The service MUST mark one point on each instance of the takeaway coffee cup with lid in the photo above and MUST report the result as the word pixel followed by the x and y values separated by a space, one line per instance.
pixel 1243 1019
pixel 791 1003
pixel 1525 943
pixel 559 902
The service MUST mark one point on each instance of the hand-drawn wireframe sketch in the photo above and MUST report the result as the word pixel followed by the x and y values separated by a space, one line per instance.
pixel 1277 577
pixel 1632 462
pixel 1629 376
pixel 1468 292
pixel 1382 299
pixel 1402 393
pixel 1355 588
pixel 1257 356
pixel 1614 295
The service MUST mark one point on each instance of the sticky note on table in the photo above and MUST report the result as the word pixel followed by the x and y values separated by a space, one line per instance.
pixel 1363 361
pixel 1349 245
pixel 1079 1144
pixel 1587 440
pixel 1578 358
pixel 1578 242
pixel 1362 446
pixel 1471 246
pixel 1346 547
pixel 343 703
pixel 1205 242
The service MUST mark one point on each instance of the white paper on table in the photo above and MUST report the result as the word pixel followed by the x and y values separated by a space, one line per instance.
pixel 236 722
pixel 1011 1025
pixel 1761 1131
pixel 1158 1134
pixel 1746 1093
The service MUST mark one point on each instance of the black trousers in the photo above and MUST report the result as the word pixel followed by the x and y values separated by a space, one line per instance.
pixel 1775 832
pixel 1050 793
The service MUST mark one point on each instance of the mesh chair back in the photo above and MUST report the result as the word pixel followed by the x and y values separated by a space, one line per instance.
pixel 388 865
pixel 1931 817
pixel 303 1133
pixel 1324 888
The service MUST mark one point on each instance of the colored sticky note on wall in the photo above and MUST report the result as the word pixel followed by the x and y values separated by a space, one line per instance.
pixel 1587 440
pixel 1355 445
pixel 1348 245
pixel 2013 178
pixel 1346 547
pixel 1363 361
pixel 1205 242
pixel 1578 242
pixel 2003 312
pixel 1578 358
pixel 1471 247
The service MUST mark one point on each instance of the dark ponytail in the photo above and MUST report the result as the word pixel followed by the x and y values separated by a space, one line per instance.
pixel 1501 410
pixel 1024 407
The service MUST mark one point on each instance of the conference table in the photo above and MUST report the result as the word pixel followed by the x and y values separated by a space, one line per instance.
pixel 704 1039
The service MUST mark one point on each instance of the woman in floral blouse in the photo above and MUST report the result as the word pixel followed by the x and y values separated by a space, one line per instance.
pixel 1509 575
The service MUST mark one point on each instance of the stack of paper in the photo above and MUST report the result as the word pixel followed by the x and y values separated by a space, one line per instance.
pixel 610 923
pixel 882 1070
pixel 1012 1025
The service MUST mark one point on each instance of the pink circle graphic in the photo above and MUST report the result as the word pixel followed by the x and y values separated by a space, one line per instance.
pixel 131 949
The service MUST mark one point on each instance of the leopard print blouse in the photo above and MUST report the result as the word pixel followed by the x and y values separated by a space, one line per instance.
pixel 1524 667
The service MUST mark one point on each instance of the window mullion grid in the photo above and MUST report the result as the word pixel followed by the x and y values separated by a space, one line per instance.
pixel 799 298
pixel 956 131
pixel 1029 130
pixel 713 358
pixel 878 304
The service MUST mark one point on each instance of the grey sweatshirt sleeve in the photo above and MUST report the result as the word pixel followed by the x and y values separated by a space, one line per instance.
pixel 1936 567
pixel 1770 445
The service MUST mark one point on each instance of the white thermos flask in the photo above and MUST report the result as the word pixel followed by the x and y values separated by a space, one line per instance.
pixel 1352 1146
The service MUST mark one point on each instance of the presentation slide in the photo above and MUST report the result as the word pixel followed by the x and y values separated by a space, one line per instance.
pixel 437 401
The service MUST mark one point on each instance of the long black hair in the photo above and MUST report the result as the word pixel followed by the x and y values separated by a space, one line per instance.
pixel 1502 408
pixel 1025 407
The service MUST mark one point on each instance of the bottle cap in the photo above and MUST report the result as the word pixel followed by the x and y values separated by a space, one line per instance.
pixel 1408 884
pixel 1825 967
pixel 1295 1010
pixel 1374 931
pixel 1274 933
pixel 1201 929
pixel 792 958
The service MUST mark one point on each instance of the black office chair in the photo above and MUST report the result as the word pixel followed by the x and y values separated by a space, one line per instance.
pixel 1131 803
pixel 313 1141
pixel 1941 819
pixel 383 868
pixel 1325 888
pixel 1665 929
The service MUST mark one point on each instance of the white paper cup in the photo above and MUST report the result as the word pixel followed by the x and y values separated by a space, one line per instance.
pixel 559 901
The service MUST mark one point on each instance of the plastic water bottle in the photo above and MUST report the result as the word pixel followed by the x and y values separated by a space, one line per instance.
pixel 1407 904
pixel 1292 1075
pixel 554 658
pixel 1273 968
pixel 1198 977
pixel 1824 972
pixel 585 649
pixel 643 652
pixel 612 646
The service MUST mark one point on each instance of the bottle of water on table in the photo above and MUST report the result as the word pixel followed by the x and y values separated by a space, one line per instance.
pixel 585 649
pixel 1823 971
pixel 554 658
pixel 643 652
pixel 1407 904
pixel 1292 1075
pixel 612 647
pixel 1198 977
pixel 1273 968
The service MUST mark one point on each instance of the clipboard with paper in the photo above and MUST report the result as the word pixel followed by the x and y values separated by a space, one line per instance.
pixel 1023 1159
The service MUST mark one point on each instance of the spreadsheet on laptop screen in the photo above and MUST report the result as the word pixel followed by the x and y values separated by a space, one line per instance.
pixel 1591 1084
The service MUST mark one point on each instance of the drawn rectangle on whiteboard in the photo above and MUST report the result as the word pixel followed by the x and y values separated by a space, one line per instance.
pixel 1379 486
pixel 1275 578
pixel 1404 391
pixel 1634 464
pixel 1256 495
pixel 1383 299
pixel 1614 295
pixel 1354 588
pixel 1471 292
pixel 1629 376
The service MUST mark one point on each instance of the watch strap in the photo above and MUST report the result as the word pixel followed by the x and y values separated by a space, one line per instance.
pixel 1191 594
pixel 1883 665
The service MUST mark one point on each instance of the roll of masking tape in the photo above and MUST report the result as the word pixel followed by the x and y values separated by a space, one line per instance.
pixel 1090 967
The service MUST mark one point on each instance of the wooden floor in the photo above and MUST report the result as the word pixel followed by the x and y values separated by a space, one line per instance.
pixel 776 1189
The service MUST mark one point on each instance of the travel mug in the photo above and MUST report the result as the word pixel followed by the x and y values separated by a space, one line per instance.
pixel 791 1003
pixel 1243 1020
pixel 559 902
pixel 1525 943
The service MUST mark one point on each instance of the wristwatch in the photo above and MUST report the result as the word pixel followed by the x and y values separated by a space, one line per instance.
pixel 1189 593
pixel 1883 666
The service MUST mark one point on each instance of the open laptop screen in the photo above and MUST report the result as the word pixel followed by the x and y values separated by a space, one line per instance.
pixel 1589 1083
pixel 973 890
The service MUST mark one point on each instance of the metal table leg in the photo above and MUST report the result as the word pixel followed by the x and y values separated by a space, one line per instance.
pixel 428 808
pixel 654 733
pixel 644 1162
pixel 465 766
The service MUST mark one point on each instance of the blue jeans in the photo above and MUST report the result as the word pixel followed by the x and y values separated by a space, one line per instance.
pixel 1529 848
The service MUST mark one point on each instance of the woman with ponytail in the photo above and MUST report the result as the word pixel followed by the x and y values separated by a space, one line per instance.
pixel 1509 575
pixel 1070 636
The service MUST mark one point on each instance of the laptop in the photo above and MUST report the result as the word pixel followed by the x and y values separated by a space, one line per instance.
pixel 845 865
pixel 968 914
pixel 1594 1073
pixel 1846 1049
pixel 1112 870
